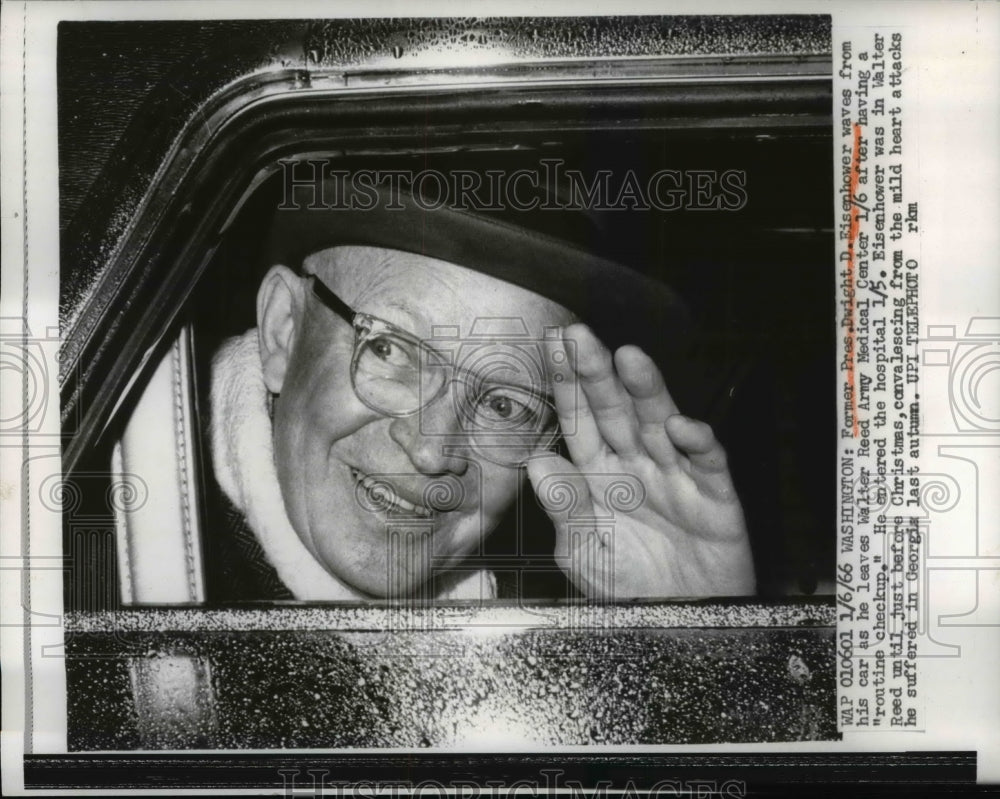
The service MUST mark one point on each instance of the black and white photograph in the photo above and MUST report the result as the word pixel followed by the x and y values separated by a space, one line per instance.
pixel 511 344
pixel 434 395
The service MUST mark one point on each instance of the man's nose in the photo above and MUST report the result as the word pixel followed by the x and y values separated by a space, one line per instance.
pixel 432 437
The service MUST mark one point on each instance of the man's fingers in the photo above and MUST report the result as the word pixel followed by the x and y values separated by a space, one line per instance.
pixel 576 422
pixel 709 466
pixel 652 401
pixel 698 441
pixel 611 405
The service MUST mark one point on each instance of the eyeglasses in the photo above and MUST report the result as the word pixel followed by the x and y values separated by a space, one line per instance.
pixel 397 374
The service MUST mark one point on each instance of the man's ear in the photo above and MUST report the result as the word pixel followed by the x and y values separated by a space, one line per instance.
pixel 279 311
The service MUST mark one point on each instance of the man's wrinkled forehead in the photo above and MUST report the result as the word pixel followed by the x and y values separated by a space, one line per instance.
pixel 356 267
pixel 434 291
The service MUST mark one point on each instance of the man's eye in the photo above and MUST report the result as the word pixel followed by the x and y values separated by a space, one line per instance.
pixel 382 348
pixel 502 406
pixel 390 351
pixel 508 408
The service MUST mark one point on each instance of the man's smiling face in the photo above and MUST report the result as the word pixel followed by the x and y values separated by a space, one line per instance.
pixel 374 497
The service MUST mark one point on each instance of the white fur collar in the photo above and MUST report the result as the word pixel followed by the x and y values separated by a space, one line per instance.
pixel 243 457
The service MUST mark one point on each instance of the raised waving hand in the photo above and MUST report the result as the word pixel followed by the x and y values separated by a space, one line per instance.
pixel 654 510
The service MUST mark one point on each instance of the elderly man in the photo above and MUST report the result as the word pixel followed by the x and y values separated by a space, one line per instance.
pixel 412 366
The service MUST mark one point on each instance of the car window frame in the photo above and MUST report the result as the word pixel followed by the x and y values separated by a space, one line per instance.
pixel 104 366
